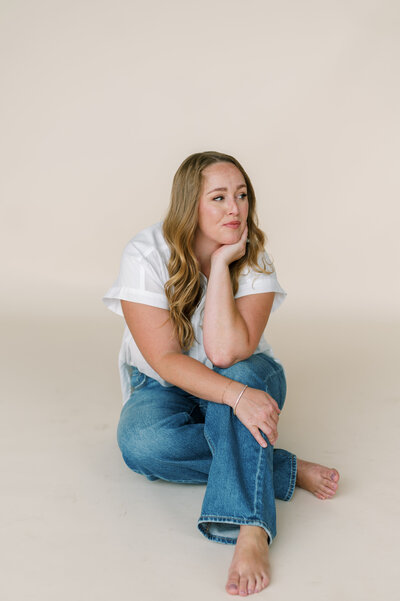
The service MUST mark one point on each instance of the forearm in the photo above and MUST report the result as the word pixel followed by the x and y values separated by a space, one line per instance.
pixel 197 379
pixel 257 410
pixel 225 334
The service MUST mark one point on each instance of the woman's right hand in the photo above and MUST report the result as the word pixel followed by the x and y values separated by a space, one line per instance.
pixel 259 412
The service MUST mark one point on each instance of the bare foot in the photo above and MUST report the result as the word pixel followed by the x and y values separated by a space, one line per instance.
pixel 320 480
pixel 249 572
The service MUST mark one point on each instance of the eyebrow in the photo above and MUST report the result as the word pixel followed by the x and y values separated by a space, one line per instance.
pixel 224 189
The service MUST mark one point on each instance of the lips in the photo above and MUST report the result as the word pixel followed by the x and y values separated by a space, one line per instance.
pixel 232 224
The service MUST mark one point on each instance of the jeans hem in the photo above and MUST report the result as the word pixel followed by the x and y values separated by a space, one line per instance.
pixel 292 478
pixel 203 521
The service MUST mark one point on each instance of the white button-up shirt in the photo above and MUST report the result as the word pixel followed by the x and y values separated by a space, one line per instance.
pixel 143 274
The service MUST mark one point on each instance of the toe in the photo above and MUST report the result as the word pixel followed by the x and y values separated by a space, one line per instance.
pixel 334 475
pixel 329 482
pixel 232 586
pixel 265 581
pixel 326 492
pixel 243 586
pixel 251 585
pixel 259 584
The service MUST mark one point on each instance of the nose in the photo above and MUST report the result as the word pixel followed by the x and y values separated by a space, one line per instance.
pixel 233 208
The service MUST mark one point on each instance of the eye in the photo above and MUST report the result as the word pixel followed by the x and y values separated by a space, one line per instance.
pixel 243 195
pixel 217 197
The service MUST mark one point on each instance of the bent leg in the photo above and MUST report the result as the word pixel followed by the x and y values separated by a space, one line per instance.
pixel 243 475
pixel 266 374
pixel 161 434
pixel 161 431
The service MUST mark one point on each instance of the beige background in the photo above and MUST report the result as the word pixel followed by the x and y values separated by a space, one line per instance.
pixel 100 103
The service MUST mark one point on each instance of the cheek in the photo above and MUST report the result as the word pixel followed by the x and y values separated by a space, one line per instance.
pixel 215 212
pixel 205 221
pixel 210 214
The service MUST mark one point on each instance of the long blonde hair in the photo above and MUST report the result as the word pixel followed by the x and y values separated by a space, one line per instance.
pixel 184 288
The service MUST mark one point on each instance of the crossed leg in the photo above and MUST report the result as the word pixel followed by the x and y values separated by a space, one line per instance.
pixel 155 438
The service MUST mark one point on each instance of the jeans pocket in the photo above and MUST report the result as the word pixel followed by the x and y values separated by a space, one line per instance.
pixel 138 379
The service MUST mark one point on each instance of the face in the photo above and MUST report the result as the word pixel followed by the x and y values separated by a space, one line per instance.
pixel 223 206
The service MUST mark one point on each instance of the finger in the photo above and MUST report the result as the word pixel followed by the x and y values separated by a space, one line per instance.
pixel 273 401
pixel 271 426
pixel 274 417
pixel 271 433
pixel 268 414
pixel 256 433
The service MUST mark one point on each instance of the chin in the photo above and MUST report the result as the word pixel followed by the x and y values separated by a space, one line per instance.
pixel 231 237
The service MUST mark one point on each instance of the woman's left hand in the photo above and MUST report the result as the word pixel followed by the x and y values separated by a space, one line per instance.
pixel 231 252
pixel 258 411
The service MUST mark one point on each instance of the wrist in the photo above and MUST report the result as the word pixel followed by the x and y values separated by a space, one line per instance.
pixel 232 392
pixel 218 261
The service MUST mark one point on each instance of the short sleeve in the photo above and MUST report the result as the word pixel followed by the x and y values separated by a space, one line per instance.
pixel 253 282
pixel 141 280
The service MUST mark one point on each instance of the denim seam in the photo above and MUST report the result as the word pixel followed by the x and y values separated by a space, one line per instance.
pixel 215 519
pixel 292 479
pixel 272 375
pixel 257 496
pixel 210 443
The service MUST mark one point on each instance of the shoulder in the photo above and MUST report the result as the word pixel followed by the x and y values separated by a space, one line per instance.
pixel 252 281
pixel 148 245
pixel 265 268
pixel 143 271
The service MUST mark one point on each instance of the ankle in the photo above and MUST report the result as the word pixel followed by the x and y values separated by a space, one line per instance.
pixel 256 532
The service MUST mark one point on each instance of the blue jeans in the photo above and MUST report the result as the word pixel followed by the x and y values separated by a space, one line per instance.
pixel 169 434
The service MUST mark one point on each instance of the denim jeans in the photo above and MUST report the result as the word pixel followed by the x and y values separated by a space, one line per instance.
pixel 169 434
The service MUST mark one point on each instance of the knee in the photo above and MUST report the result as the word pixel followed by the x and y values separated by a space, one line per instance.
pixel 259 371
pixel 143 449
pixel 251 371
pixel 136 446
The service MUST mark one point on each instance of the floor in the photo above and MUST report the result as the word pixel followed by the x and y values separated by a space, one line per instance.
pixel 77 525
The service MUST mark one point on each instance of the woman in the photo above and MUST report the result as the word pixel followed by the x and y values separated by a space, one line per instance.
pixel 202 390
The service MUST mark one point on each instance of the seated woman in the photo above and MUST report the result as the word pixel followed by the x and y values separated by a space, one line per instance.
pixel 202 389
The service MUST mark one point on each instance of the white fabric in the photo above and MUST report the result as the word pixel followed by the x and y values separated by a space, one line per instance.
pixel 143 273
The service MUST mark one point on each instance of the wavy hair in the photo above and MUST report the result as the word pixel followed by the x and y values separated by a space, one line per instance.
pixel 184 287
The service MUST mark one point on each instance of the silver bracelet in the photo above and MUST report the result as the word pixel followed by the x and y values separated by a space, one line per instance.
pixel 238 399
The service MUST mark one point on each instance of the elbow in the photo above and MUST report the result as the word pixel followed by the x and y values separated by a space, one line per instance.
pixel 222 360
pixel 219 357
pixel 225 358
